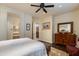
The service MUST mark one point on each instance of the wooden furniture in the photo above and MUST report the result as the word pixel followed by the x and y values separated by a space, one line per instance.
pixel 65 38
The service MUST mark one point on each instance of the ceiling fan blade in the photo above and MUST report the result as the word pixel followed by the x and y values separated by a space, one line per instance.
pixel 38 10
pixel 35 5
pixel 49 6
pixel 44 10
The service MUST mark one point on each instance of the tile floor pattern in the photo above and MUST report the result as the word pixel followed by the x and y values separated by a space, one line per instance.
pixel 57 52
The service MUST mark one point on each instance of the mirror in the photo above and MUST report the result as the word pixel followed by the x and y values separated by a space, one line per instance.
pixel 65 27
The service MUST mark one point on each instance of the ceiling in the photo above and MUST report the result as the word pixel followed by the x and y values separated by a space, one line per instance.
pixel 58 9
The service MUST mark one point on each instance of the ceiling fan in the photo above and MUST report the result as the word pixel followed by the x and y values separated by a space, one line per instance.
pixel 42 6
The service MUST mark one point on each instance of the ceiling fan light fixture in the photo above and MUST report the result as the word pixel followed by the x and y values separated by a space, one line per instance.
pixel 42 6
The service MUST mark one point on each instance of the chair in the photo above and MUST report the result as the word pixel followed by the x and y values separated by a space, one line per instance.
pixel 72 50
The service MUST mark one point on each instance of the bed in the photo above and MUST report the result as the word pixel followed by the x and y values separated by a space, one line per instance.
pixel 22 47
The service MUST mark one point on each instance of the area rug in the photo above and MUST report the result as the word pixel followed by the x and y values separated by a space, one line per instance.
pixel 57 52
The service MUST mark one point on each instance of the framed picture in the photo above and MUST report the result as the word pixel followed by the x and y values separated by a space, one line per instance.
pixel 27 26
pixel 65 27
pixel 46 25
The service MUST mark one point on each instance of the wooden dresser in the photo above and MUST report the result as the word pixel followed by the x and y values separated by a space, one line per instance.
pixel 65 38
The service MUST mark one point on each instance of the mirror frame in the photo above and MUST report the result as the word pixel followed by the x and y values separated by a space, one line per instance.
pixel 71 26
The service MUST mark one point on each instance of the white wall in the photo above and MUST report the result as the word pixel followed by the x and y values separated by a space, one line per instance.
pixel 27 20
pixel 68 17
pixel 3 23
pixel 45 35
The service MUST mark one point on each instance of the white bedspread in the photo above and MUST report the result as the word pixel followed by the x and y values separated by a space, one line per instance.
pixel 22 47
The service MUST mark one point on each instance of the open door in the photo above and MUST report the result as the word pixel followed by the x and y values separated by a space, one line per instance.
pixel 35 31
pixel 13 26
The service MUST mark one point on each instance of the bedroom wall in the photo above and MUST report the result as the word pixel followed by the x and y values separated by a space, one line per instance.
pixel 45 35
pixel 27 20
pixel 68 17
pixel 3 23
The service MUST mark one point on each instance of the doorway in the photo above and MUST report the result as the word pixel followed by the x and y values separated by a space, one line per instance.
pixel 13 26
pixel 36 30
